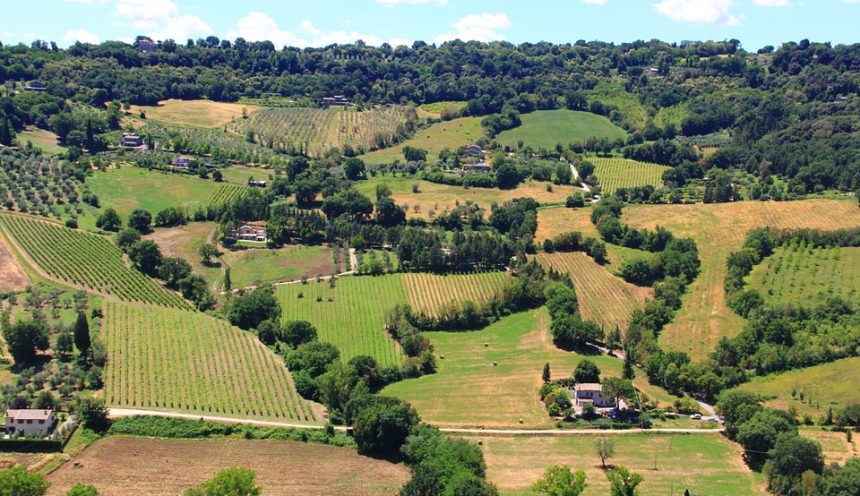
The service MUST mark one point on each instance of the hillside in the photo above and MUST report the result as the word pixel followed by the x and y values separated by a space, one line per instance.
pixel 449 134
pixel 174 360
pixel 546 128
pixel 614 173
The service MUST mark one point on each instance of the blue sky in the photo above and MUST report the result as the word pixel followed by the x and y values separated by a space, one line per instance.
pixel 320 22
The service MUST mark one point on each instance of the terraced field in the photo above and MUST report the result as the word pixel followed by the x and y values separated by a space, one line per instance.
pixel 86 260
pixel 177 360
pixel 317 130
pixel 427 293
pixel 603 297
pixel 351 315
pixel 798 274
pixel 615 173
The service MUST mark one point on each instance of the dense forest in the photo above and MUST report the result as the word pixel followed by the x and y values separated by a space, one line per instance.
pixel 790 112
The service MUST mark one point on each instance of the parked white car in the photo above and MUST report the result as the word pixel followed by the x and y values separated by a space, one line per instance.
pixel 696 416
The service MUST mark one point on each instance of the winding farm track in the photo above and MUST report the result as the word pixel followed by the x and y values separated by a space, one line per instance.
pixel 125 412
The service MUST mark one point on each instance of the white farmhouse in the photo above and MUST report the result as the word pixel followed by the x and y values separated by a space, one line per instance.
pixel 30 423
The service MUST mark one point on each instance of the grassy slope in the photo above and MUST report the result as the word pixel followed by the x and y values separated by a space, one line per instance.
pixel 823 386
pixel 468 390
pixel 718 230
pixel 435 109
pixel 450 134
pixel 185 242
pixel 253 267
pixel 40 138
pixel 802 275
pixel 706 464
pixel 194 113
pixel 546 128
pixel 439 197
pixel 615 173
pixel 353 319
pixel 129 188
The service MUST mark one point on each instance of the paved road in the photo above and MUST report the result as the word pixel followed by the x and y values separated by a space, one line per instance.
pixel 126 412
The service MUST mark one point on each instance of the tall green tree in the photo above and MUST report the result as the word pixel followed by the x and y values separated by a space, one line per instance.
pixel 24 338
pixel 18 481
pixel 233 481
pixel 109 220
pixel 560 480
pixel 623 482
pixel 81 332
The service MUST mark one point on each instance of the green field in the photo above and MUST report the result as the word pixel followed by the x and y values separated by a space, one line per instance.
pixel 86 260
pixel 469 390
pixel 823 386
pixel 615 173
pixel 436 109
pixel 260 266
pixel 239 175
pixel 130 188
pixel 350 316
pixel 546 128
pixel 614 94
pixel 42 139
pixel 449 134
pixel 706 464
pixel 178 360
pixel 799 274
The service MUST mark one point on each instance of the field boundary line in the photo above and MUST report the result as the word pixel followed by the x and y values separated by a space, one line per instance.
pixel 126 412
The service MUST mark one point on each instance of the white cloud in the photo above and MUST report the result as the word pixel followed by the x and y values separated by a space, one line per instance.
pixel 81 35
pixel 850 1
pixel 594 2
pixel 699 11
pixel 86 1
pixel 392 3
pixel 773 3
pixel 480 27
pixel 161 19
pixel 257 26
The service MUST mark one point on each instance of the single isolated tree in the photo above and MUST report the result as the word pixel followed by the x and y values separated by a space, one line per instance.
pixel 83 490
pixel 605 449
pixel 24 339
pixel 547 374
pixel 18 481
pixel 229 482
pixel 622 482
pixel 586 371
pixel 207 251
pixel 560 480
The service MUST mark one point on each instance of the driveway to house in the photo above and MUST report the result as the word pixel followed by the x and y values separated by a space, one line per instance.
pixel 582 183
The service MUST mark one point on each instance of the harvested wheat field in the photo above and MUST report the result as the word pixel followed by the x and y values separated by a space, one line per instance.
pixel 14 278
pixel 119 466
pixel 194 113
pixel 603 297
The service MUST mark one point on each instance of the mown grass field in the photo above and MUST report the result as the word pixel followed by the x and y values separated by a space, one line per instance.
pixel 804 275
pixel 546 128
pixel 239 175
pixel 435 110
pixel 194 113
pixel 184 361
pixel 449 134
pixel 469 390
pixel 440 198
pixel 185 242
pixel 119 466
pixel 603 297
pixel 85 260
pixel 427 293
pixel 316 130
pixel 42 139
pixel 720 229
pixel 351 315
pixel 834 444
pixel 824 386
pixel 615 173
pixel 705 464
pixel 130 187
pixel 260 266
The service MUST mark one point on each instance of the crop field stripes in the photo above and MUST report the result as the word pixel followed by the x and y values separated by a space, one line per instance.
pixel 84 259
pixel 603 297
pixel 614 173
pixel 226 193
pixel 351 315
pixel 429 293
pixel 799 274
pixel 176 360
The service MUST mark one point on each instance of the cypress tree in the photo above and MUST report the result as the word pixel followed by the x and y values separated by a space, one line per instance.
pixel 82 333
pixel 5 132
pixel 628 372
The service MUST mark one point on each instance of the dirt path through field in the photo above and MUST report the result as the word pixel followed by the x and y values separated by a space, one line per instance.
pixel 14 278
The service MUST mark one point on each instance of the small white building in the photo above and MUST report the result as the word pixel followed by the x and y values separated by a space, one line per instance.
pixel 249 232
pixel 30 423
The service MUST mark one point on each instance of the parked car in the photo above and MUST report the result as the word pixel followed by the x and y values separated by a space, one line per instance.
pixel 696 416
